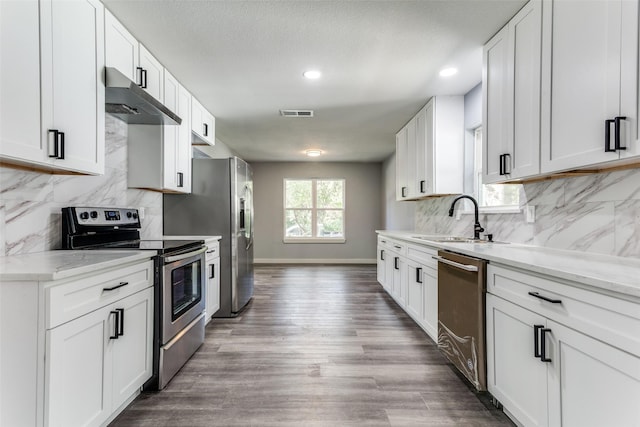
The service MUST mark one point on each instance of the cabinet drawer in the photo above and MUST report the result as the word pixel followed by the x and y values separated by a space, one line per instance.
pixel 609 319
pixel 213 249
pixel 67 301
pixel 423 255
pixel 391 245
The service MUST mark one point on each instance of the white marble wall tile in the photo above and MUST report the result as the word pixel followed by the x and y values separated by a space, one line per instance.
pixel 627 223
pixel 18 184
pixel 509 228
pixel 102 190
pixel 143 198
pixel 115 143
pixel 585 227
pixel 603 187
pixel 27 225
pixel 550 192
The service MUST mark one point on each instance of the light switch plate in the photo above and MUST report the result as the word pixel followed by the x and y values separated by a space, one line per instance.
pixel 530 213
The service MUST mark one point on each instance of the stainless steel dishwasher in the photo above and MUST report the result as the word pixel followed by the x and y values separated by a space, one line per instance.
pixel 461 314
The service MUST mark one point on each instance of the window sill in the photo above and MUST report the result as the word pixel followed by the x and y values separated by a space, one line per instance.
pixel 314 240
pixel 495 210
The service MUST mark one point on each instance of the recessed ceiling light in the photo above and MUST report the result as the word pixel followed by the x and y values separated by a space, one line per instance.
pixel 312 74
pixel 313 153
pixel 448 72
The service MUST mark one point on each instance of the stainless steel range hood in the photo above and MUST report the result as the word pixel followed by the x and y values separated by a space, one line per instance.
pixel 127 101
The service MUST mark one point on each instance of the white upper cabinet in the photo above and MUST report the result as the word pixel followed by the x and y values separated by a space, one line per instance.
pixel 511 98
pixel 67 61
pixel 19 82
pixel 589 83
pixel 121 48
pixel 203 124
pixel 429 150
pixel 152 74
pixel 183 149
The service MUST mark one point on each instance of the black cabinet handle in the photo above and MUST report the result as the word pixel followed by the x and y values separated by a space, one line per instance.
pixel 113 288
pixel 418 275
pixel 403 192
pixel 536 341
pixel 180 179
pixel 205 129
pixel 144 78
pixel 547 299
pixel 395 263
pixel 117 325
pixel 607 136
pixel 381 254
pixel 213 271
pixel 617 130
pixel 503 164
pixel 422 190
pixel 58 144
pixel 397 247
pixel 121 330
pixel 139 69
pixel 501 161
pixel 543 345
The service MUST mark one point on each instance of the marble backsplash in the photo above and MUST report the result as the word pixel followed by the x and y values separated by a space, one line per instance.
pixel 30 202
pixel 594 213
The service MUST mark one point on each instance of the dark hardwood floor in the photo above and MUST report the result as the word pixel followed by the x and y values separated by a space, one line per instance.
pixel 318 346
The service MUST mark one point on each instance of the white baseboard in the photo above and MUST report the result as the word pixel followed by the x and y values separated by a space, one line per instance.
pixel 314 261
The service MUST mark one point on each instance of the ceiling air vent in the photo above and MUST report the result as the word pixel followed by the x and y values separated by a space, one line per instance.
pixel 296 113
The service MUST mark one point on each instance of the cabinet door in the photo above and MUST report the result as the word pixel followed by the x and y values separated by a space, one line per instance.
pixel 72 65
pixel 495 105
pixel 410 164
pixel 153 74
pixel 213 287
pixel 592 384
pixel 415 291
pixel 430 304
pixel 183 150
pixel 77 373
pixel 170 135
pixel 400 280
pixel 381 272
pixel 523 141
pixel 401 162
pixel 389 267
pixel 581 82
pixel 202 124
pixel 20 135
pixel 132 352
pixel 424 153
pixel 121 48
pixel 514 375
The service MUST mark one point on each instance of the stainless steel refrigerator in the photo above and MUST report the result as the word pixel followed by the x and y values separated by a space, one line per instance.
pixel 221 204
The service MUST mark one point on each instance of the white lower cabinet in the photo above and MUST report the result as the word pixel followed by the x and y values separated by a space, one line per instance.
pixel 409 274
pixel 212 298
pixel 83 350
pixel 569 360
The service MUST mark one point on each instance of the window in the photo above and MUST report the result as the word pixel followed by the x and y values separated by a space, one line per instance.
pixel 491 195
pixel 314 210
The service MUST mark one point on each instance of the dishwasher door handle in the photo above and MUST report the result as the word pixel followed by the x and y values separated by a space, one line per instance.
pixel 465 267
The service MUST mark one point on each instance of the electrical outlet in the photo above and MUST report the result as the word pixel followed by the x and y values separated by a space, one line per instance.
pixel 530 213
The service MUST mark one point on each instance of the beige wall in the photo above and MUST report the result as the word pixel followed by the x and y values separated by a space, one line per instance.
pixel 363 212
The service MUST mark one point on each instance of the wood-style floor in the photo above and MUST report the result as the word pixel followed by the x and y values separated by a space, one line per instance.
pixel 318 346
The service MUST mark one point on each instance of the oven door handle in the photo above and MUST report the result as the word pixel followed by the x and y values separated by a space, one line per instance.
pixel 168 259
pixel 466 267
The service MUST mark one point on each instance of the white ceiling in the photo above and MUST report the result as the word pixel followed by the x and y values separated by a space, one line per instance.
pixel 380 60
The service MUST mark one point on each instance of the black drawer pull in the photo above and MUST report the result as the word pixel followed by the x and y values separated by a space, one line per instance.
pixel 395 263
pixel 117 326
pixel 547 299
pixel 113 288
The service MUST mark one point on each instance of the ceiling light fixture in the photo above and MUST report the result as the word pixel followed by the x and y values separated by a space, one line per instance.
pixel 313 153
pixel 448 72
pixel 312 74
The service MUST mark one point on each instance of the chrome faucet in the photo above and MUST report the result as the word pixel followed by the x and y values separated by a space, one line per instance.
pixel 477 228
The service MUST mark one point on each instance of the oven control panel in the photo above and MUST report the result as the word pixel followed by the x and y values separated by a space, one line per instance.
pixel 95 216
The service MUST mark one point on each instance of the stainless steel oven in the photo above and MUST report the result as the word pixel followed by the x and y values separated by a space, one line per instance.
pixel 182 284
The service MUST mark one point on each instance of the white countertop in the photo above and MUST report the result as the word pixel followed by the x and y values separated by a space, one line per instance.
pixel 62 264
pixel 609 273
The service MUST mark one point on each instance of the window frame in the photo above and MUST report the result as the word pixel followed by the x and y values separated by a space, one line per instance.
pixel 314 212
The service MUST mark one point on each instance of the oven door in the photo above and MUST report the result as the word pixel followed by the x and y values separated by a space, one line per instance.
pixel 182 296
